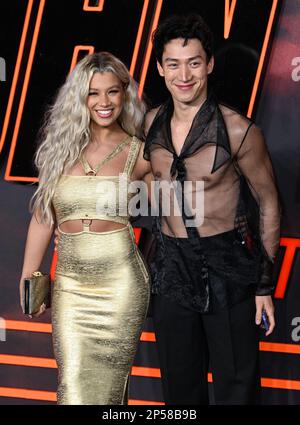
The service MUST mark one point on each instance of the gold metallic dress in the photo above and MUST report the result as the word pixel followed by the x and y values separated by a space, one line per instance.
pixel 101 292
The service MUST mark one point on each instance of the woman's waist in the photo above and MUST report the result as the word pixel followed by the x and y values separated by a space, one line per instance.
pixel 87 244
pixel 105 225
pixel 98 220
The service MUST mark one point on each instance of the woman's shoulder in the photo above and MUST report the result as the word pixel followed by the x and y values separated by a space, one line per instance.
pixel 137 140
pixel 142 166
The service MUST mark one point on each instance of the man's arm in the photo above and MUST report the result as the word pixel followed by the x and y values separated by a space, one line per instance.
pixel 254 162
pixel 148 176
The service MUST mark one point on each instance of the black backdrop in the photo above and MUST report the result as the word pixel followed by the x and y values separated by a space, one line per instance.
pixel 257 71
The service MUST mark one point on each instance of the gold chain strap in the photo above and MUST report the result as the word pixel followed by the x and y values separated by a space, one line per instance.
pixel 94 171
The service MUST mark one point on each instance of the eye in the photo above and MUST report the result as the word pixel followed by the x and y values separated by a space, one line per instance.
pixel 113 91
pixel 172 65
pixel 92 93
pixel 195 64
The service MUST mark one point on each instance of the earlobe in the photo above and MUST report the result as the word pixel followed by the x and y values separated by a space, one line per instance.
pixel 210 65
pixel 160 69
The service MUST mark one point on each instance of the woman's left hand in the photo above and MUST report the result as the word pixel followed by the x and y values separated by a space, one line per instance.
pixel 40 312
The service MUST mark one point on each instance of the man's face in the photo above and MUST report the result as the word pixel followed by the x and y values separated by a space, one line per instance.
pixel 185 70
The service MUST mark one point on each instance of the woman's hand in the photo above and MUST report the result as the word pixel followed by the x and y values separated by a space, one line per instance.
pixel 56 239
pixel 21 291
pixel 42 308
pixel 264 302
pixel 40 312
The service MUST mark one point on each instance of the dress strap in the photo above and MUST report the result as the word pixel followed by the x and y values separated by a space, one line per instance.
pixel 94 171
pixel 132 155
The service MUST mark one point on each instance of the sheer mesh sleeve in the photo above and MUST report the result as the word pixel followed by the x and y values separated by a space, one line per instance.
pixel 254 163
pixel 220 238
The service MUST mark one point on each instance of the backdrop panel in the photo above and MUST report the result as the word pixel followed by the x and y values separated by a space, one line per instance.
pixel 255 72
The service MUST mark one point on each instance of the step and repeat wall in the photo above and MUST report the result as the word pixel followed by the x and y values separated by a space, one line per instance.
pixel 257 71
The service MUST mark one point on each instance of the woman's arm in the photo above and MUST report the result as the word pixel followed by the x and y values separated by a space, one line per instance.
pixel 38 238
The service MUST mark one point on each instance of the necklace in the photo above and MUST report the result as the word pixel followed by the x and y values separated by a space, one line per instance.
pixel 93 171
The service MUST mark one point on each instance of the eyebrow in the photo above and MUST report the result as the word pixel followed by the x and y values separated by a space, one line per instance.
pixel 189 59
pixel 116 86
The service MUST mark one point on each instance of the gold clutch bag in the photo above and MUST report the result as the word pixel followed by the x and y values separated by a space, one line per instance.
pixel 37 290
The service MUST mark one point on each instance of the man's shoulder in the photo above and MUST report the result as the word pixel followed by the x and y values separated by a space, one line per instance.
pixel 234 120
pixel 149 118
pixel 237 126
pixel 152 112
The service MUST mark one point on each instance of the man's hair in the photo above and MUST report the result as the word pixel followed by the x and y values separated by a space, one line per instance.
pixel 182 26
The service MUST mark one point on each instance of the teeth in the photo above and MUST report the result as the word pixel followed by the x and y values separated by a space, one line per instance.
pixel 105 112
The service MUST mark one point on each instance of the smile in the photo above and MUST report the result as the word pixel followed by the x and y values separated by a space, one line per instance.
pixel 104 113
pixel 185 87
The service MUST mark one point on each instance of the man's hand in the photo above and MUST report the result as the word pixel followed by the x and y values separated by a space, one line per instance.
pixel 264 302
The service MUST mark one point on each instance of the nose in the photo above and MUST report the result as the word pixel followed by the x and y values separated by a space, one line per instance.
pixel 184 73
pixel 104 100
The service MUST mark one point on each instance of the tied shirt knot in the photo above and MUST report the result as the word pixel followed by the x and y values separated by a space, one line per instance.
pixel 178 166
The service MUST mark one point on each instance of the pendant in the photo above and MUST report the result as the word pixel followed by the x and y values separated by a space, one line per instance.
pixel 91 173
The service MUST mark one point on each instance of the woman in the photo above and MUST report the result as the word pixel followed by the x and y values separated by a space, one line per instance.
pixel 101 289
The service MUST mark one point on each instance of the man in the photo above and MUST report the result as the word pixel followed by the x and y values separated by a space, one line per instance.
pixel 211 281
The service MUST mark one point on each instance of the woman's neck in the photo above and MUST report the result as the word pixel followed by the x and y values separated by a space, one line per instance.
pixel 105 134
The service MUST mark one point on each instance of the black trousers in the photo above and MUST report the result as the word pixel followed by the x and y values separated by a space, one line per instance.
pixel 188 342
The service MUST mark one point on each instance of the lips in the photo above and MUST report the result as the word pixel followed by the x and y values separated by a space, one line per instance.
pixel 104 113
pixel 185 87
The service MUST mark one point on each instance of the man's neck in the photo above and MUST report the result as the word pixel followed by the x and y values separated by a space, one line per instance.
pixel 185 112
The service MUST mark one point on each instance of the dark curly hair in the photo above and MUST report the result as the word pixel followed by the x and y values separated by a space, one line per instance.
pixel 182 26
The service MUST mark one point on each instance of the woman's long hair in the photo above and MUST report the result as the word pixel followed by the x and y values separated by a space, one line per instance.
pixel 66 129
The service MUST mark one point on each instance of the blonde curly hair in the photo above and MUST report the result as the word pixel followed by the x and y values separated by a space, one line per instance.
pixel 66 129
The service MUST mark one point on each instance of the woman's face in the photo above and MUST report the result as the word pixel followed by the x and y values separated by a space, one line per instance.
pixel 105 99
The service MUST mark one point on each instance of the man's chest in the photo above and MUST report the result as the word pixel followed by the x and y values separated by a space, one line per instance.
pixel 198 166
